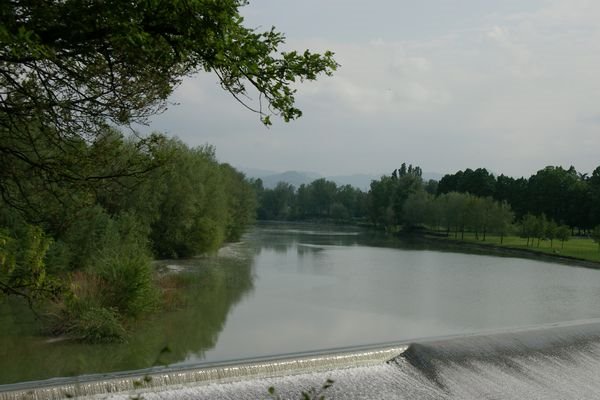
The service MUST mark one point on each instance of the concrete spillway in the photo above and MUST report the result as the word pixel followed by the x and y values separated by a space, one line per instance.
pixel 550 362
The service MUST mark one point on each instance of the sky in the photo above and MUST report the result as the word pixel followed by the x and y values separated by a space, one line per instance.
pixel 509 85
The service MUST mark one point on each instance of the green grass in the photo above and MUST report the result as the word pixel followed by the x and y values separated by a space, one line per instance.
pixel 581 248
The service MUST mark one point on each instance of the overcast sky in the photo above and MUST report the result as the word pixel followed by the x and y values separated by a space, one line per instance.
pixel 510 85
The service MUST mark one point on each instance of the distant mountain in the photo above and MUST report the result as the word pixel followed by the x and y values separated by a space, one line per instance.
pixel 255 172
pixel 360 181
pixel 296 178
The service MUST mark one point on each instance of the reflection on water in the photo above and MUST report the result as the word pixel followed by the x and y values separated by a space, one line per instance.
pixel 214 285
pixel 291 288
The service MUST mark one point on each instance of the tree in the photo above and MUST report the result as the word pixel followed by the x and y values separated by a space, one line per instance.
pixel 322 194
pixel 539 228
pixel 551 231
pixel 71 72
pixel 549 192
pixel 415 208
pixel 528 227
pixel 70 68
pixel 277 203
pixel 379 198
pixel 594 197
pixel 503 219
pixel 596 235
pixel 563 234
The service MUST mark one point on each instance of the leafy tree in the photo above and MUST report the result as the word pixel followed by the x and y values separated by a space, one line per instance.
pixel 596 235
pixel 528 227
pixel 353 199
pixel 431 187
pixel 563 233
pixel 454 206
pixel 278 203
pixel 503 220
pixel 539 228
pixel 415 208
pixel 379 201
pixel 513 191
pixel 478 182
pixel 69 69
pixel 594 197
pixel 387 195
pixel 322 194
pixel 22 263
pixel 339 212
pixel 551 231
pixel 75 65
pixel 241 202
pixel 549 192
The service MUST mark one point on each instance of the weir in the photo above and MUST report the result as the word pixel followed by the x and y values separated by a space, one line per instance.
pixel 546 362
pixel 216 373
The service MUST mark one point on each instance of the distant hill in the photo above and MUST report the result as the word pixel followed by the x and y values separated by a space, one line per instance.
pixel 296 178
pixel 360 181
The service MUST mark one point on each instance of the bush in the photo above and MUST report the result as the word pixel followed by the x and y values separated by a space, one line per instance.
pixel 97 324
pixel 115 286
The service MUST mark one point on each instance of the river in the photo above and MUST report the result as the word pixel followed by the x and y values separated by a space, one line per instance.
pixel 297 288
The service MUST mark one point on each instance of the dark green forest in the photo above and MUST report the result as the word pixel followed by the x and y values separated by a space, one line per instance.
pixel 554 203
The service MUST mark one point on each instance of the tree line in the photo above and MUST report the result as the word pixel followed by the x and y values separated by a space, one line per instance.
pixel 82 251
pixel 319 200
pixel 551 205
pixel 562 195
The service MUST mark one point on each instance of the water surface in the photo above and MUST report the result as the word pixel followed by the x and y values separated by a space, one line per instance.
pixel 287 289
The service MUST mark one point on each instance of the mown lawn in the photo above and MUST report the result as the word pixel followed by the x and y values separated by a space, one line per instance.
pixel 582 248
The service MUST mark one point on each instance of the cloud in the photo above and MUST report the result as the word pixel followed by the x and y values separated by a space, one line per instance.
pixel 511 91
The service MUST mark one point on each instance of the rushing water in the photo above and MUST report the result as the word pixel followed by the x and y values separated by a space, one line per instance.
pixel 288 289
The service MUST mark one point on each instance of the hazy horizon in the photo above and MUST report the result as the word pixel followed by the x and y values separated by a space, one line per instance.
pixel 504 85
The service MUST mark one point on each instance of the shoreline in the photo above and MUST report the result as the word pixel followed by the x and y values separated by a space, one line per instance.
pixel 431 238
pixel 507 251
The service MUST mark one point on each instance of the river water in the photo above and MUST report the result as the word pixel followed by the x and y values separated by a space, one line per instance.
pixel 298 288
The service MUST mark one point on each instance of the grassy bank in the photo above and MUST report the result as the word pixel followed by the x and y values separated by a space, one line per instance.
pixel 578 248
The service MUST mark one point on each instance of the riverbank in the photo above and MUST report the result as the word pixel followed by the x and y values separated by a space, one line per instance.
pixel 512 247
pixel 576 251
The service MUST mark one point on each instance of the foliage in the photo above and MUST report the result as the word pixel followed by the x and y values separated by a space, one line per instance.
pixel 321 199
pixel 96 325
pixel 71 73
pixel 193 203
pixel 75 65
pixel 563 233
pixel 387 196
pixel 22 263
pixel 115 286
pixel 106 241
pixel 596 235
pixel 561 194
